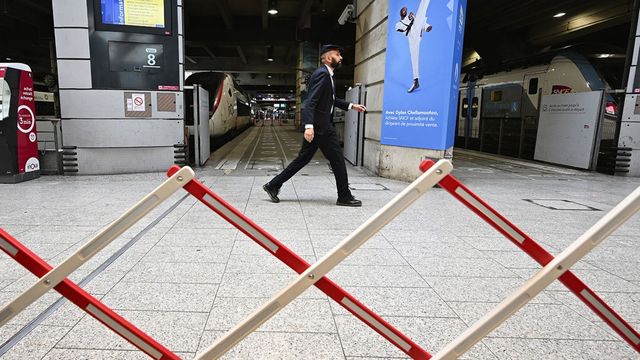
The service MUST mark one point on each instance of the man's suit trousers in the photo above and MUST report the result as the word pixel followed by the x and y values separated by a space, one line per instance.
pixel 330 147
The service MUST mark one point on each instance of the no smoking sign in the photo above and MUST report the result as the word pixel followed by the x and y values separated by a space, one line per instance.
pixel 138 102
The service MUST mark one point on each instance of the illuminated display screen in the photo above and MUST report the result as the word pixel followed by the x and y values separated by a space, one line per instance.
pixel 145 13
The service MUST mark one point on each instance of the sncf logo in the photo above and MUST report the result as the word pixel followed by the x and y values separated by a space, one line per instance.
pixel 560 89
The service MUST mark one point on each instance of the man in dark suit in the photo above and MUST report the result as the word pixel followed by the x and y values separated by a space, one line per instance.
pixel 319 130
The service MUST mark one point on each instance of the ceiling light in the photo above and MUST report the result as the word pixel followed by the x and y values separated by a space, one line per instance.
pixel 559 15
pixel 604 56
pixel 269 76
pixel 270 53
pixel 273 7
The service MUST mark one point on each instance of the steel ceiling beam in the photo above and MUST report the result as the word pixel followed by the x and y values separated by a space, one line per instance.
pixel 304 19
pixel 241 54
pixel 550 32
pixel 227 18
pixel 265 17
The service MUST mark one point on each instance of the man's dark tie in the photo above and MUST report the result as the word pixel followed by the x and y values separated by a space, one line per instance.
pixel 333 82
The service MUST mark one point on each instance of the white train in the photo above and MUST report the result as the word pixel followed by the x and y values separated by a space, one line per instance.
pixel 229 105
pixel 498 113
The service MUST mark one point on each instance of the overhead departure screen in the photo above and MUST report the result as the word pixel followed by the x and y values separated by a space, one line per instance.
pixel 145 13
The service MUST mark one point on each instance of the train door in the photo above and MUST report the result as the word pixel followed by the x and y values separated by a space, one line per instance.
pixel 468 120
pixel 473 141
pixel 462 119
pixel 532 91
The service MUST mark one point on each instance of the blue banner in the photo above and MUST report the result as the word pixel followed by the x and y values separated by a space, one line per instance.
pixel 422 72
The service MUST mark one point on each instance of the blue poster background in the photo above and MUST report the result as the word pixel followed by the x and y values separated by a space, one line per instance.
pixel 424 118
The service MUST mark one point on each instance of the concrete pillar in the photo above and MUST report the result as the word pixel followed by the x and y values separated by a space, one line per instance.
pixel 119 114
pixel 370 54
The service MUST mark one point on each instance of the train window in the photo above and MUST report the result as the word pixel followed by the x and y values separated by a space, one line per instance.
pixel 243 109
pixel 465 108
pixel 496 96
pixel 474 107
pixel 533 86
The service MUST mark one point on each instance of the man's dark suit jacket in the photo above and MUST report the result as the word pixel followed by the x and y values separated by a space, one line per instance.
pixel 317 110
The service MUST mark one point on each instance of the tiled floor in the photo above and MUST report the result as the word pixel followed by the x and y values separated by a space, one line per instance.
pixel 188 276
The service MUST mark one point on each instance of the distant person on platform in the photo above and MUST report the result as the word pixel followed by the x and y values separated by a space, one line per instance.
pixel 413 26
pixel 319 130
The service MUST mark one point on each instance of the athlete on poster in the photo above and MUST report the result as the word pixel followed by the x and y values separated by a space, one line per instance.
pixel 422 71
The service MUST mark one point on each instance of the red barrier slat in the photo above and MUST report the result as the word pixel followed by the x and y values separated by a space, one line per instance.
pixel 539 254
pixel 85 301
pixel 299 265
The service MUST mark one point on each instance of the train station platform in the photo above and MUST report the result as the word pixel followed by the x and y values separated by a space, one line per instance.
pixel 185 276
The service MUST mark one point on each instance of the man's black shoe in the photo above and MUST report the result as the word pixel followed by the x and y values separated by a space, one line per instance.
pixel 351 201
pixel 273 193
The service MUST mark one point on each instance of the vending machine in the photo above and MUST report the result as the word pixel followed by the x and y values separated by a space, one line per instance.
pixel 18 138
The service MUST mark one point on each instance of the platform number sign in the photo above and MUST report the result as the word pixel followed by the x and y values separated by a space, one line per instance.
pixel 152 60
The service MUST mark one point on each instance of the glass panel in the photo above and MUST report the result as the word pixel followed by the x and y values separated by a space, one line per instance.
pixel 533 86
pixel 474 107
pixel 465 108
pixel 5 99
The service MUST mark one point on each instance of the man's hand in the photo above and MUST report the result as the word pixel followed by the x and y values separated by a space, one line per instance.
pixel 308 135
pixel 411 16
pixel 359 107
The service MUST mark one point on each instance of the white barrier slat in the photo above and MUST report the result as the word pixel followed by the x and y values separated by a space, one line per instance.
pixel 543 278
pixel 352 242
pixel 97 243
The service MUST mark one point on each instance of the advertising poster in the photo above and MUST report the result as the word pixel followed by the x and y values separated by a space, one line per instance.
pixel 422 73
pixel 17 108
pixel 26 122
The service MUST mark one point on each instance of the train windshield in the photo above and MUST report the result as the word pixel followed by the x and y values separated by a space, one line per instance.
pixel 595 81
pixel 210 81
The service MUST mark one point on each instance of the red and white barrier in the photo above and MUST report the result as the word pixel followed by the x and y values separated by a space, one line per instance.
pixel 299 265
pixel 539 254
pixel 543 278
pixel 315 273
pixel 87 303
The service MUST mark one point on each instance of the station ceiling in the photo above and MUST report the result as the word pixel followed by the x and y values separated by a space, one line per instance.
pixel 237 35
